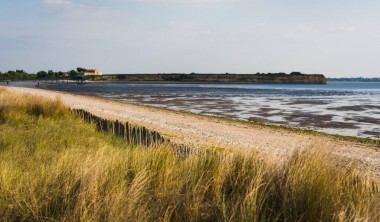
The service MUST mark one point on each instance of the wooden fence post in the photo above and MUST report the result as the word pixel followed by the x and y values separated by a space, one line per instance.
pixel 132 134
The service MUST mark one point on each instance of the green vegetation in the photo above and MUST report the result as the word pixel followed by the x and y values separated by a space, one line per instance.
pixel 49 75
pixel 16 75
pixel 54 166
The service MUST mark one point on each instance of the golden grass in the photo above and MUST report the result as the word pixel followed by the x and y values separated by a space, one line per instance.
pixel 54 166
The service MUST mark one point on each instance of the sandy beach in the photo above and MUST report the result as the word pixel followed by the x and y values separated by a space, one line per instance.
pixel 203 131
pixel 349 109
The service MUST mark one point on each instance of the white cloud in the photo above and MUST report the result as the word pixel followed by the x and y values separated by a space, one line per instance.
pixel 183 2
pixel 69 7
pixel 329 29
pixel 340 29
pixel 65 7
pixel 61 3
pixel 346 29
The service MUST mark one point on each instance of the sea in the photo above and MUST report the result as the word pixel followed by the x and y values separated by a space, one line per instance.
pixel 344 108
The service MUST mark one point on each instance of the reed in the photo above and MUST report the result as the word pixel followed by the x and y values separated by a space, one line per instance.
pixel 56 166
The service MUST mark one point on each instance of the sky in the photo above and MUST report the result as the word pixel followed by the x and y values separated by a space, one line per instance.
pixel 338 38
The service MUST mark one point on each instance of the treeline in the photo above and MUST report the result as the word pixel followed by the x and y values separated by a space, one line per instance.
pixel 20 74
pixel 57 75
pixel 17 75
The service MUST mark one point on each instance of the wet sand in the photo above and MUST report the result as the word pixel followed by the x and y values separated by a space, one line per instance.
pixel 284 113
pixel 332 110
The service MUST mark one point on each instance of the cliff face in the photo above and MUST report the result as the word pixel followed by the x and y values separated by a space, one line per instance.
pixel 219 78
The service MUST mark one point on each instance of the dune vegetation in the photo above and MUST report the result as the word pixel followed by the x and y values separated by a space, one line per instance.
pixel 56 167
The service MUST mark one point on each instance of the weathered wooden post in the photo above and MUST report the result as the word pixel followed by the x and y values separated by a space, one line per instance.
pixel 116 128
pixel 112 127
pixel 109 127
pixel 132 134
pixel 122 130
pixel 127 133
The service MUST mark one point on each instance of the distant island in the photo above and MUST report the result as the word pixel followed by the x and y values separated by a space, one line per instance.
pixel 258 78
pixel 82 74
pixel 356 79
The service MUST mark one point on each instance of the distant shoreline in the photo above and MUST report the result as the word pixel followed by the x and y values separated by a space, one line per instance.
pixel 278 78
pixel 353 79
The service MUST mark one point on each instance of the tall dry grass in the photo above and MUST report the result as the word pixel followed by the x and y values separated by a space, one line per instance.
pixel 54 166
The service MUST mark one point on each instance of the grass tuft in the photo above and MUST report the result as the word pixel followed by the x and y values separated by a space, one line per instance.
pixel 54 166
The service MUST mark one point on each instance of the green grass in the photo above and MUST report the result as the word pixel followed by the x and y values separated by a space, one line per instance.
pixel 55 167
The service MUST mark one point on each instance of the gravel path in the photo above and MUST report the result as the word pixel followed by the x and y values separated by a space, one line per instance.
pixel 202 131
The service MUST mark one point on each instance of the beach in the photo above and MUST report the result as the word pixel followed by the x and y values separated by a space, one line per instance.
pixel 204 131
pixel 344 108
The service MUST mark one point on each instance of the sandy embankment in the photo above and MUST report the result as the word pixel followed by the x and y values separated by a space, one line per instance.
pixel 201 131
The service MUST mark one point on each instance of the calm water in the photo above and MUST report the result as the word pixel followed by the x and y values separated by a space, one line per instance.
pixel 346 108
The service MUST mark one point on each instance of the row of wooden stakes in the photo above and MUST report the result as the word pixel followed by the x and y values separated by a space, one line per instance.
pixel 134 135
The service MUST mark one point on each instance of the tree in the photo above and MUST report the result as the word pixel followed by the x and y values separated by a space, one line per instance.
pixel 11 72
pixel 79 69
pixel 42 75
pixel 52 74
pixel 73 74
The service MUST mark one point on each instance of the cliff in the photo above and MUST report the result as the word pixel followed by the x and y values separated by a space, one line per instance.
pixel 279 78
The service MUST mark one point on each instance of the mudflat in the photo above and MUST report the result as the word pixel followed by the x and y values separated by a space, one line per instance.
pixel 335 108
pixel 202 131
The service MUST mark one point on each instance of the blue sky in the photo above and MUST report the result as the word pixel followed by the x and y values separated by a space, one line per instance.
pixel 334 37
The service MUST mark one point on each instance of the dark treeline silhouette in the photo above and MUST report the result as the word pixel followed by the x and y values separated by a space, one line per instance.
pixel 20 74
